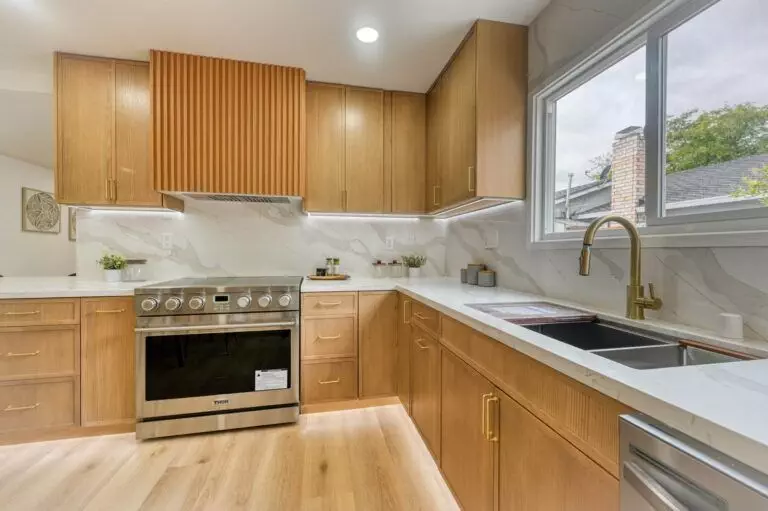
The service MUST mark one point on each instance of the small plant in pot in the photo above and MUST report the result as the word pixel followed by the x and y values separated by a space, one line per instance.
pixel 113 265
pixel 414 264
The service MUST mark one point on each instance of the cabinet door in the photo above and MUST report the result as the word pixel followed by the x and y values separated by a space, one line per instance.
pixel 404 351
pixel 435 136
pixel 134 181
pixel 377 320
pixel 408 152
pixel 364 149
pixel 458 178
pixel 468 450
pixel 539 470
pixel 325 148
pixel 84 130
pixel 425 388
pixel 107 369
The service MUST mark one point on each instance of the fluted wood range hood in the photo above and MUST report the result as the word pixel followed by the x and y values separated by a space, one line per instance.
pixel 217 129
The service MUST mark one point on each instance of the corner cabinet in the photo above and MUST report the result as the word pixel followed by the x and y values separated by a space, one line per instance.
pixel 103 133
pixel 476 121
pixel 377 320
pixel 225 126
pixel 365 150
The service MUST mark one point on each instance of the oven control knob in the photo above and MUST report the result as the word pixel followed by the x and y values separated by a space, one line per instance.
pixel 284 300
pixel 264 301
pixel 148 304
pixel 196 303
pixel 173 303
pixel 244 301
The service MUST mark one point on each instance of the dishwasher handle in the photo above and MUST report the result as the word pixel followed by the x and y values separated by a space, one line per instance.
pixel 653 492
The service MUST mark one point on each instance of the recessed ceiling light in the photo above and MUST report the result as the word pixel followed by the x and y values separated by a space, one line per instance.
pixel 368 34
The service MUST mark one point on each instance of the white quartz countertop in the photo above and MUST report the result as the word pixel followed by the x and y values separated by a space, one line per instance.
pixel 722 405
pixel 62 287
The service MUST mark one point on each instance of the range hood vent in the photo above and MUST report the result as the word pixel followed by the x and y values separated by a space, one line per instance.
pixel 260 199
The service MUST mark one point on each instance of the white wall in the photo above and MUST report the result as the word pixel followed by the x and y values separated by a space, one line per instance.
pixel 29 253
pixel 697 284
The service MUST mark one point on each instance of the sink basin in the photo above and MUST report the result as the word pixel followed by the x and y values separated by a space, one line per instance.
pixel 598 335
pixel 657 357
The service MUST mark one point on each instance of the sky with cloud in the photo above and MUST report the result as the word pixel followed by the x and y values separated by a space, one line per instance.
pixel 719 57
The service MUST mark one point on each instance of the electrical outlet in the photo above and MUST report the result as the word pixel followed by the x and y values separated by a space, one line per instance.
pixel 166 240
pixel 390 242
pixel 491 239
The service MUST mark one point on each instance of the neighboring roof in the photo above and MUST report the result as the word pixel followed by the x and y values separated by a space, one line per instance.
pixel 560 194
pixel 713 180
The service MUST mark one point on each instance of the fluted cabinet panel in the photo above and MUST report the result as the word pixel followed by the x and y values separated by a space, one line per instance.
pixel 227 126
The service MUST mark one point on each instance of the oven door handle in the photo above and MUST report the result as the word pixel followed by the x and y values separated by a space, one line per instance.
pixel 219 328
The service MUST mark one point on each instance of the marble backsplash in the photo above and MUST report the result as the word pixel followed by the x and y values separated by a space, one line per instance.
pixel 696 284
pixel 216 239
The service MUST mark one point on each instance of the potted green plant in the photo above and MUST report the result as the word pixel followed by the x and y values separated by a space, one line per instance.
pixel 113 265
pixel 414 264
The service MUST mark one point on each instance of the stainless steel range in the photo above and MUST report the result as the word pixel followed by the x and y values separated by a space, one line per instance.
pixel 216 353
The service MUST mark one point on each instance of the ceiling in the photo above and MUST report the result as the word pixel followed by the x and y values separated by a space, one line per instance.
pixel 417 36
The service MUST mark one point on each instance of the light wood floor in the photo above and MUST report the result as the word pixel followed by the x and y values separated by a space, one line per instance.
pixel 366 459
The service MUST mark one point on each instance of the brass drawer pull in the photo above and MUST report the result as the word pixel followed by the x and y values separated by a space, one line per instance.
pixel 420 345
pixel 469 179
pixel 13 313
pixel 406 306
pixel 10 408
pixel 329 304
pixel 11 354
pixel 327 338
pixel 435 202
pixel 110 311
pixel 329 382
pixel 421 316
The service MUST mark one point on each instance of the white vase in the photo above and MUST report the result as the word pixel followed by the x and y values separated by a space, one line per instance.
pixel 113 275
pixel 414 272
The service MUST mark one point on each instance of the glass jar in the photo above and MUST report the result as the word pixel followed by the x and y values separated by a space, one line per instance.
pixel 396 269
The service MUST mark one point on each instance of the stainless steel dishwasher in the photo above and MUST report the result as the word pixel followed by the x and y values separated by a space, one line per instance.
pixel 665 470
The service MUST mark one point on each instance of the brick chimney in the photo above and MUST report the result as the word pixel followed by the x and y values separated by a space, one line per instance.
pixel 628 172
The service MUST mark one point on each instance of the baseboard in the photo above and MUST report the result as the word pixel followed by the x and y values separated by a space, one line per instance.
pixel 351 404
pixel 45 435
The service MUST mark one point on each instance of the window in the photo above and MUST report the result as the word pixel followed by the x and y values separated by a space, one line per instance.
pixel 665 125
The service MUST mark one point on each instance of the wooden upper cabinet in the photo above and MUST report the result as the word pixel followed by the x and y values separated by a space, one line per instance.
pixel 107 369
pixel 325 148
pixel 408 152
pixel 540 470
pixel 102 133
pixel 364 148
pixel 227 126
pixel 477 118
pixel 377 323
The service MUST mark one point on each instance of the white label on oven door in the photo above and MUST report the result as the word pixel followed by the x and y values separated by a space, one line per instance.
pixel 273 379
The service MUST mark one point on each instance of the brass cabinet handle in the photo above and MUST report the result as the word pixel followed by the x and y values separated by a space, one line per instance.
pixel 470 186
pixel 435 202
pixel 107 189
pixel 26 313
pixel 11 354
pixel 344 200
pixel 329 304
pixel 329 382
pixel 406 317
pixel 421 316
pixel 484 415
pixel 420 345
pixel 491 431
pixel 10 408
pixel 109 311
pixel 327 338
pixel 114 190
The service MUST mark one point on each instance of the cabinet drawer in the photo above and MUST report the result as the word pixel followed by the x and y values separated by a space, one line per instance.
pixel 329 381
pixel 38 352
pixel 426 317
pixel 327 304
pixel 328 338
pixel 34 405
pixel 40 312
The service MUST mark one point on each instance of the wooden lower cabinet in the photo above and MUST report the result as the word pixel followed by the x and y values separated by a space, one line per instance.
pixel 468 447
pixel 377 320
pixel 108 372
pixel 540 470
pixel 404 351
pixel 425 388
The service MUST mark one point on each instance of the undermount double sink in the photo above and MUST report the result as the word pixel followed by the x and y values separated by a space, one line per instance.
pixel 635 348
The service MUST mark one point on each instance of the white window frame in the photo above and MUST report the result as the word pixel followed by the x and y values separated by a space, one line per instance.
pixel 713 225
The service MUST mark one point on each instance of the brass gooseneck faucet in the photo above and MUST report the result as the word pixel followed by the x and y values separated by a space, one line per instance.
pixel 636 300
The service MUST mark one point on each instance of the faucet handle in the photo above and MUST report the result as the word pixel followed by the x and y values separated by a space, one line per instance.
pixel 652 290
pixel 653 302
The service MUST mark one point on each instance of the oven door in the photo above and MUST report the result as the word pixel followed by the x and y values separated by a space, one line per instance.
pixel 188 365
